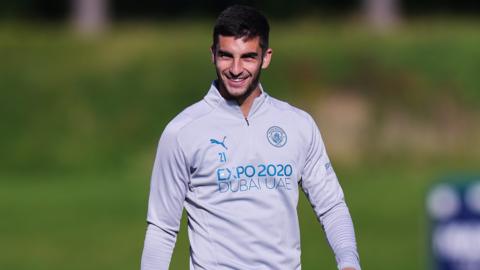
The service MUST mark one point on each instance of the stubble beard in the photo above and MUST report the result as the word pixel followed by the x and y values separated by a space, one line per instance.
pixel 240 98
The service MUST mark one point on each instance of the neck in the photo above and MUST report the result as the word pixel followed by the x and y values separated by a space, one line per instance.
pixel 245 101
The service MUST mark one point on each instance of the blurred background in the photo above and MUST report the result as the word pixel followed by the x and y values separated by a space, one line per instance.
pixel 87 86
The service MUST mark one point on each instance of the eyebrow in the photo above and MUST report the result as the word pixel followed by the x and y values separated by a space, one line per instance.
pixel 245 55
pixel 248 55
pixel 225 53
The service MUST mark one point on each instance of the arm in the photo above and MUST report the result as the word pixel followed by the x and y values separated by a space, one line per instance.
pixel 322 189
pixel 167 194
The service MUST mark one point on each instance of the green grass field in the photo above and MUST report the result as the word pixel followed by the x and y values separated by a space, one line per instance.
pixel 96 221
pixel 76 104
pixel 81 118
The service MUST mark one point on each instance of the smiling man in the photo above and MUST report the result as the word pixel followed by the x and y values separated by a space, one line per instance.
pixel 236 161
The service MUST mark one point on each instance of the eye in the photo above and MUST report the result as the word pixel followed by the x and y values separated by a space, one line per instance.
pixel 224 55
pixel 250 57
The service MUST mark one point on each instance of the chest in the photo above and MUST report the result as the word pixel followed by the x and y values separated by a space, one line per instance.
pixel 240 156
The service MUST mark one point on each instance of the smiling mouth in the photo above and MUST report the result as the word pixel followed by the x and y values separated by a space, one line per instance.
pixel 237 79
pixel 237 82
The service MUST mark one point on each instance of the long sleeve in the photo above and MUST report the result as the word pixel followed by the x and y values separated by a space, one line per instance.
pixel 168 187
pixel 322 189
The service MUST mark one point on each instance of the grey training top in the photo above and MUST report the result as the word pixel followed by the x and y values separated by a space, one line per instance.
pixel 238 179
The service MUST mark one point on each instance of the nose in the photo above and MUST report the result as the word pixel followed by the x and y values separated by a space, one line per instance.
pixel 236 68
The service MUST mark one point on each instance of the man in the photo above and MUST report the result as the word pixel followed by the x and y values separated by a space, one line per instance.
pixel 235 161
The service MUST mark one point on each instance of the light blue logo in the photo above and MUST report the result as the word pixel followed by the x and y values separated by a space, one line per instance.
pixel 276 136
pixel 328 168
pixel 222 143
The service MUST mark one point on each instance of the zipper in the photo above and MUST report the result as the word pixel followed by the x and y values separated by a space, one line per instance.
pixel 246 120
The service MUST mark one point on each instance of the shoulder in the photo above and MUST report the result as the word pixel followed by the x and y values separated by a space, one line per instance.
pixel 297 115
pixel 188 116
pixel 297 121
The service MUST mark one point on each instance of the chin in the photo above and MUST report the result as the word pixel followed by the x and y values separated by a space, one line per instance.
pixel 236 92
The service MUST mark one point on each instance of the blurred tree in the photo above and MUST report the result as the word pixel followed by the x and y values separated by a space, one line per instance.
pixel 90 16
pixel 382 14
pixel 442 7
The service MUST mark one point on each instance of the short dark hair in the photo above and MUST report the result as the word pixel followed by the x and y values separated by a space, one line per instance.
pixel 242 22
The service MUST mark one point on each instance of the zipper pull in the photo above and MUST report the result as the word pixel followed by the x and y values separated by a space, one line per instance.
pixel 246 120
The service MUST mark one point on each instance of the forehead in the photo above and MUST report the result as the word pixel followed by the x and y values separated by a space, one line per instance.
pixel 239 45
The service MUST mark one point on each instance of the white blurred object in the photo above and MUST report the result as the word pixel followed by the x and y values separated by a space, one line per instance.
pixel 443 202
pixel 472 199
pixel 382 14
pixel 459 242
pixel 89 17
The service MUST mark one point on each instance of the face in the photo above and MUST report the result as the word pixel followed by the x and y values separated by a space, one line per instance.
pixel 238 63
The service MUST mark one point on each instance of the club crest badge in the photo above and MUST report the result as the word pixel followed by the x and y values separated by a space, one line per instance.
pixel 276 136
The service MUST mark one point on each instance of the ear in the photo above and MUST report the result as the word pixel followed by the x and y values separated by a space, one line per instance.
pixel 267 57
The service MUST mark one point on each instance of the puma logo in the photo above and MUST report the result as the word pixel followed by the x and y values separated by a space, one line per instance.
pixel 222 143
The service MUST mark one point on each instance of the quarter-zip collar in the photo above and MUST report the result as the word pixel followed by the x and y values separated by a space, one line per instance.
pixel 214 98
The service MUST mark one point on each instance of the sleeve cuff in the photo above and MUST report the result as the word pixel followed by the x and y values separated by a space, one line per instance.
pixel 343 265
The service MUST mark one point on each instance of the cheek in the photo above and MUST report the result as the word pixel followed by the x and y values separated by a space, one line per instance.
pixel 252 67
pixel 221 66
